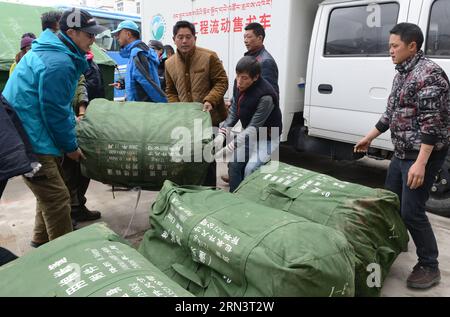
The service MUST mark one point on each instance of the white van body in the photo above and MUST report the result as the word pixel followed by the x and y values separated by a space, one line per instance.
pixel 289 26
pixel 361 84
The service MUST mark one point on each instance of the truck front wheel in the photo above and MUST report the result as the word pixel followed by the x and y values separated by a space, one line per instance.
pixel 439 202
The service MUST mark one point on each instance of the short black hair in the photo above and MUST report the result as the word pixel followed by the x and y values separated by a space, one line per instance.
pixel 50 19
pixel 249 65
pixel 409 33
pixel 135 34
pixel 183 24
pixel 29 34
pixel 257 28
pixel 169 49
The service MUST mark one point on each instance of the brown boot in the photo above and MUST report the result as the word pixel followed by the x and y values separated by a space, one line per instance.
pixel 423 277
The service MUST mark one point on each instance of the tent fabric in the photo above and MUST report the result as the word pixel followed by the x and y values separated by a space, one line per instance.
pixel 17 19
pixel 223 245
pixel 139 144
pixel 90 262
pixel 369 218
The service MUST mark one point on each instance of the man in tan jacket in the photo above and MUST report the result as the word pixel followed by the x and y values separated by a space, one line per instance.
pixel 196 74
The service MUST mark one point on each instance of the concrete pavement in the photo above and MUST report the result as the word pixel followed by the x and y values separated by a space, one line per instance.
pixel 17 209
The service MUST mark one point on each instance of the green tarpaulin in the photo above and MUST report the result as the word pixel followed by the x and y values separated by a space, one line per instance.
pixel 17 19
pixel 91 262
pixel 138 144
pixel 216 244
pixel 369 218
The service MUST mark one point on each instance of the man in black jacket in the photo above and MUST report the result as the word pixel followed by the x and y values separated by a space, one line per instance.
pixel 15 156
pixel 16 153
pixel 254 42
pixel 75 181
pixel 158 47
pixel 94 80
pixel 256 105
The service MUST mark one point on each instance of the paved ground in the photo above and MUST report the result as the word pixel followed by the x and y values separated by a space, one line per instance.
pixel 18 204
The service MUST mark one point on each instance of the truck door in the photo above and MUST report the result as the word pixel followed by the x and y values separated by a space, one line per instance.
pixel 434 21
pixel 350 70
pixel 435 24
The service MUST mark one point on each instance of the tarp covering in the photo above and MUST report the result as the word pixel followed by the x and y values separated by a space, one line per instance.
pixel 91 262
pixel 137 144
pixel 216 244
pixel 17 19
pixel 369 218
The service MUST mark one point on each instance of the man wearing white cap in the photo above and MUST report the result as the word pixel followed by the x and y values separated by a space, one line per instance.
pixel 142 80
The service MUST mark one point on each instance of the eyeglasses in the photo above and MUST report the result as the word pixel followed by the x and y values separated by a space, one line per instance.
pixel 89 35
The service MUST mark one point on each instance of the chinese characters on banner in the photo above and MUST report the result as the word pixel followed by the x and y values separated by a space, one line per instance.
pixel 213 25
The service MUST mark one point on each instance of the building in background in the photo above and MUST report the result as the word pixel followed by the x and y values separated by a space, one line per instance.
pixel 128 6
pixel 125 6
pixel 98 4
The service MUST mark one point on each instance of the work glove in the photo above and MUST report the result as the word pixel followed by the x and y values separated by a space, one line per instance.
pixel 218 142
pixel 35 166
pixel 225 154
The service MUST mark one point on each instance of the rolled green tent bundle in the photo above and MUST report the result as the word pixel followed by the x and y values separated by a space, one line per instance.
pixel 137 144
pixel 247 249
pixel 369 218
pixel 177 263
pixel 91 262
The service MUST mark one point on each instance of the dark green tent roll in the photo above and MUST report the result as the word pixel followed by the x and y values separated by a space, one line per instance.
pixel 137 144
pixel 250 249
pixel 369 218
pixel 91 262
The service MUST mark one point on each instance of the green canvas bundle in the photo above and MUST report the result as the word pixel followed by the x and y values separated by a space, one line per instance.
pixel 369 218
pixel 91 262
pixel 214 243
pixel 137 144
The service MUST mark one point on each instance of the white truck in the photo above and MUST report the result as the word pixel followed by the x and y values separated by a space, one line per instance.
pixel 333 60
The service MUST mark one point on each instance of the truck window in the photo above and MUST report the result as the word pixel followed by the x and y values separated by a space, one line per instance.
pixel 361 30
pixel 438 34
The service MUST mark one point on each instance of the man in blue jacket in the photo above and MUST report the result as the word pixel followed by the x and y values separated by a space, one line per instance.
pixel 41 90
pixel 142 80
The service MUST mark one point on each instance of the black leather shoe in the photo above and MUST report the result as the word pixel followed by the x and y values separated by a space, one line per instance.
pixel 81 214
pixel 36 245
pixel 74 224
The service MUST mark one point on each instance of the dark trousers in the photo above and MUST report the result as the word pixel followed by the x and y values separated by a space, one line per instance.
pixel 211 176
pixel 413 205
pixel 2 187
pixel 76 183
pixel 6 256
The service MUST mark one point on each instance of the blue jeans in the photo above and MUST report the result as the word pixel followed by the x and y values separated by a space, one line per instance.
pixel 248 160
pixel 413 205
